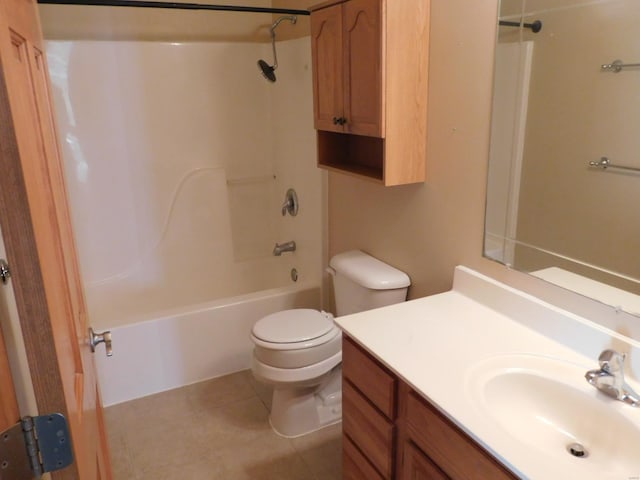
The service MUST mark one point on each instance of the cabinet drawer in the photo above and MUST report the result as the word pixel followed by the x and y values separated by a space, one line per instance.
pixel 354 465
pixel 370 377
pixel 417 466
pixel 455 453
pixel 368 429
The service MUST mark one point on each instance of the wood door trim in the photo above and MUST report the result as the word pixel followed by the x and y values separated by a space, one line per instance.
pixel 28 283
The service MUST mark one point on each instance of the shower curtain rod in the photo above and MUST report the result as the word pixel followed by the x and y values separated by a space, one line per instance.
pixel 177 6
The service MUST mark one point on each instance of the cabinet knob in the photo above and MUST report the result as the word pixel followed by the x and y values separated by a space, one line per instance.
pixel 342 120
pixel 336 120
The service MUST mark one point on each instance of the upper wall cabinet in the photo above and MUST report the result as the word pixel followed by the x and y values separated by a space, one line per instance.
pixel 347 38
pixel 370 65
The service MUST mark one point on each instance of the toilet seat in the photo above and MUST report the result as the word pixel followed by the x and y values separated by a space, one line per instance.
pixel 297 338
pixel 309 373
pixel 294 329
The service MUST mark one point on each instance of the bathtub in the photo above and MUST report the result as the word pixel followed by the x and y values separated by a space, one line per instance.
pixel 178 347
pixel 178 263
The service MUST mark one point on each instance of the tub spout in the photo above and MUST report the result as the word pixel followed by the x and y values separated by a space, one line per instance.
pixel 284 247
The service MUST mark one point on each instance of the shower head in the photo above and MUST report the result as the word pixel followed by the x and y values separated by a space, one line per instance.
pixel 268 71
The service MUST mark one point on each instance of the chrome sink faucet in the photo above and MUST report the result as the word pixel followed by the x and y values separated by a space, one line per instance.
pixel 609 379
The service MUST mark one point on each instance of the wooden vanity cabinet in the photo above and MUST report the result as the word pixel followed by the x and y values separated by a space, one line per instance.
pixel 368 415
pixel 370 62
pixel 391 432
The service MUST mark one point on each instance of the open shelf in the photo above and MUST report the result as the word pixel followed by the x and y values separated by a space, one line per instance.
pixel 353 154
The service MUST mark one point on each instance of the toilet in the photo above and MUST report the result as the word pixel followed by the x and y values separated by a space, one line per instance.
pixel 299 352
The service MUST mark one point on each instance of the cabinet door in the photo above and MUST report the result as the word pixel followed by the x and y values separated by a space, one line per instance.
pixel 327 57
pixel 417 466
pixel 354 465
pixel 363 37
pixel 445 444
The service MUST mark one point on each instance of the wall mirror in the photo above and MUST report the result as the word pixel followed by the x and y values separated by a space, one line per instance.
pixel 563 196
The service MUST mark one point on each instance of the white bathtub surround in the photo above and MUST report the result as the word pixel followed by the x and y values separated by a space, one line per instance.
pixel 178 156
pixel 457 348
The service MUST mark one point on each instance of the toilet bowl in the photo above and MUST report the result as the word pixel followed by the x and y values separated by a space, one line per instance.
pixel 299 352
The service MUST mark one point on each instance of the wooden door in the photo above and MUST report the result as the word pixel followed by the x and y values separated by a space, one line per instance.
pixel 363 57
pixel 34 218
pixel 327 59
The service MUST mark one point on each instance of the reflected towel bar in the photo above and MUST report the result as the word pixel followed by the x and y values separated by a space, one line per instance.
pixel 535 26
pixel 617 65
pixel 605 163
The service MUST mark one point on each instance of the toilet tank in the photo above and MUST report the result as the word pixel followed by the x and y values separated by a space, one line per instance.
pixel 362 282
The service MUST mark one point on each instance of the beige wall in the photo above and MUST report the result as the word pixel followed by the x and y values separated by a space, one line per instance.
pixel 428 229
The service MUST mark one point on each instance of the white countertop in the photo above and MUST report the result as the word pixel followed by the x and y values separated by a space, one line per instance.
pixel 437 344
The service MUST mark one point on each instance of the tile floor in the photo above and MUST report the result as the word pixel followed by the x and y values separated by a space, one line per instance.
pixel 217 429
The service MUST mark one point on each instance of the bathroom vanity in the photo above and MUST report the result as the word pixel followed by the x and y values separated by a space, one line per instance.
pixel 482 382
pixel 384 419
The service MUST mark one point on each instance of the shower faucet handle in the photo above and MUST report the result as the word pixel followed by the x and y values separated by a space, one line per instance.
pixel 290 203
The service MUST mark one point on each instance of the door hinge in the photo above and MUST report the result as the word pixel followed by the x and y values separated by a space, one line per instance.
pixel 34 446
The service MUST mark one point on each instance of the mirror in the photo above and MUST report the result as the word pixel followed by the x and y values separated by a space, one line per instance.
pixel 563 193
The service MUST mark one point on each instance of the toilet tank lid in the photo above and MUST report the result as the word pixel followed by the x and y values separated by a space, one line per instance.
pixel 368 271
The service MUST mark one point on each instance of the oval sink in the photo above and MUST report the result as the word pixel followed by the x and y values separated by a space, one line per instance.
pixel 546 405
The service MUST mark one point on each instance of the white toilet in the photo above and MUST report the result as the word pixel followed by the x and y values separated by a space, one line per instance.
pixel 299 352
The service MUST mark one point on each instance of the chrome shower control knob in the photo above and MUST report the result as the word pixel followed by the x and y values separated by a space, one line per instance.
pixel 97 338
pixel 290 204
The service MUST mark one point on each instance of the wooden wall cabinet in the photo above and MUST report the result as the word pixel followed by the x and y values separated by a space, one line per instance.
pixel 382 412
pixel 370 67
